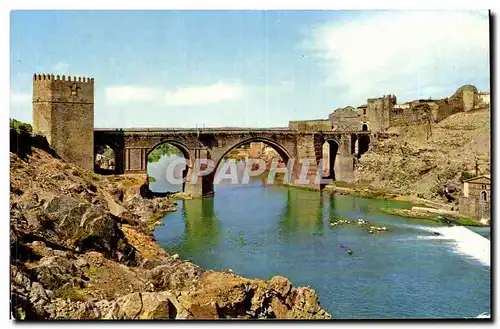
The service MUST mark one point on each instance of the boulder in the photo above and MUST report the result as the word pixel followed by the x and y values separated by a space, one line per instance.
pixel 280 284
pixel 279 308
pixel 155 306
pixel 55 271
pixel 130 306
pixel 175 275
pixel 118 210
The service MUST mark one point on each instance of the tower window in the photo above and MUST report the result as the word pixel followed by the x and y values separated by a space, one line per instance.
pixel 74 90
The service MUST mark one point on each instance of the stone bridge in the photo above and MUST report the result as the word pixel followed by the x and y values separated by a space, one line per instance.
pixel 132 147
pixel 63 112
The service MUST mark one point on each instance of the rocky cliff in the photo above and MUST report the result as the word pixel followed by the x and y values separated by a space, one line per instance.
pixel 419 160
pixel 81 248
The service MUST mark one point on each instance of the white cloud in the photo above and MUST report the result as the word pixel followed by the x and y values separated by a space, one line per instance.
pixel 20 106
pixel 20 98
pixel 208 94
pixel 63 68
pixel 183 96
pixel 408 53
pixel 126 94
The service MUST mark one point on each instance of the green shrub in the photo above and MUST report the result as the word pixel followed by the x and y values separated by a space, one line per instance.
pixel 467 222
pixel 466 175
pixel 69 292
pixel 20 126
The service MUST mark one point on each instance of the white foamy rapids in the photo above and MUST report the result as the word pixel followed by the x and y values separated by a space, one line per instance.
pixel 484 315
pixel 466 242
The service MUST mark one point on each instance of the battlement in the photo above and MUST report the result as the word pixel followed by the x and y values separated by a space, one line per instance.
pixel 63 112
pixel 52 77
pixel 61 88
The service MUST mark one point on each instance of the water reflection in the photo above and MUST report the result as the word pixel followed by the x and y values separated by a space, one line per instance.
pixel 303 213
pixel 202 227
pixel 158 171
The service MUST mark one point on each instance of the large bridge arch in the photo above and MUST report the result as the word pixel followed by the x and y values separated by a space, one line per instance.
pixel 281 150
pixel 180 145
pixel 116 142
pixel 218 155
pixel 184 150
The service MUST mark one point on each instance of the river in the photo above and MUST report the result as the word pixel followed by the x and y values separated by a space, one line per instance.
pixel 261 230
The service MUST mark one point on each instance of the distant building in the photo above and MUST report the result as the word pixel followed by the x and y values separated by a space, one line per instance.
pixel 475 203
pixel 483 98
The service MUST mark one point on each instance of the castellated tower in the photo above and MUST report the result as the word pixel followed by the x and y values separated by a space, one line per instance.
pixel 63 112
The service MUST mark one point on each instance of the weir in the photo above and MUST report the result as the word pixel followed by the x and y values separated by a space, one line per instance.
pixel 467 242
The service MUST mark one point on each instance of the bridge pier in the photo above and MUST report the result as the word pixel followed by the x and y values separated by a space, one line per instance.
pixel 345 160
pixel 203 185
pixel 311 147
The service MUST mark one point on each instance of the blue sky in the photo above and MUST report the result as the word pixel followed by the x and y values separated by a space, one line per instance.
pixel 246 68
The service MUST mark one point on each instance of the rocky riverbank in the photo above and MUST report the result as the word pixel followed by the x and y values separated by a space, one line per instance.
pixel 422 208
pixel 81 248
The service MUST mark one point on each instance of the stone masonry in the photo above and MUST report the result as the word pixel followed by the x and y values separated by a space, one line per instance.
pixel 63 112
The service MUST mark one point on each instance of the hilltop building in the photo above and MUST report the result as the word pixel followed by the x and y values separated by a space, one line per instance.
pixel 475 202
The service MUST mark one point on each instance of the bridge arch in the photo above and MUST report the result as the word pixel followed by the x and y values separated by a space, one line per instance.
pixel 285 155
pixel 105 159
pixel 115 142
pixel 330 148
pixel 184 150
pixel 280 149
pixel 181 146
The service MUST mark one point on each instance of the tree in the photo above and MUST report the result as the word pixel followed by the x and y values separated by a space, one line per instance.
pixel 163 149
pixel 18 125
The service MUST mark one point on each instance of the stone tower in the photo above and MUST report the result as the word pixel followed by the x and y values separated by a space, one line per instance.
pixel 379 112
pixel 63 112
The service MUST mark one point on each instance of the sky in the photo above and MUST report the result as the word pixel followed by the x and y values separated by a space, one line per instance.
pixel 246 68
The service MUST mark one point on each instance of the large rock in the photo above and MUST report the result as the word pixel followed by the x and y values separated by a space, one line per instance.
pixel 27 298
pixel 146 305
pixel 118 210
pixel 82 225
pixel 175 275
pixel 54 272
pixel 280 284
